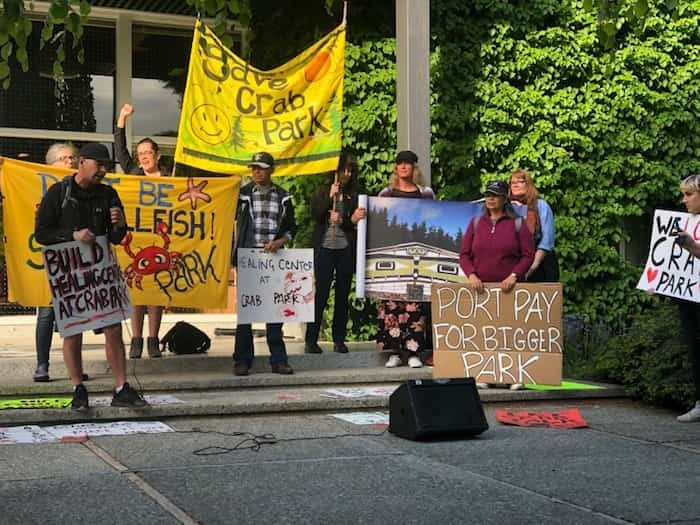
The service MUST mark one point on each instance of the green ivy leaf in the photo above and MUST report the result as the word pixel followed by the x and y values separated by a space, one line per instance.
pixel 6 51
pixel 58 10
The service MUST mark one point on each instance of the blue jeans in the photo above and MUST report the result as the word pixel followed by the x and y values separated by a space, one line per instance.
pixel 243 349
pixel 43 333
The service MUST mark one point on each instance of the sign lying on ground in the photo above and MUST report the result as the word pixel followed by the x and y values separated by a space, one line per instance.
pixel 275 287
pixel 498 337
pixel 670 269
pixel 87 287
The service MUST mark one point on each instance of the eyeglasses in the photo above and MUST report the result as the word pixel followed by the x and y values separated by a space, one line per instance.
pixel 63 158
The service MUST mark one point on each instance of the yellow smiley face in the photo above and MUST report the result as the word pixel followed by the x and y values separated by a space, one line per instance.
pixel 210 124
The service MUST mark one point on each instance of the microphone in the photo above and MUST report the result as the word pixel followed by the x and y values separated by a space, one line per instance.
pixel 114 203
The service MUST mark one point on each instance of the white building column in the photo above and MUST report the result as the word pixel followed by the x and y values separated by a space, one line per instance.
pixel 413 80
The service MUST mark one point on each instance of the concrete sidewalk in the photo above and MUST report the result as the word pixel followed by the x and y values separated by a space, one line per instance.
pixel 633 465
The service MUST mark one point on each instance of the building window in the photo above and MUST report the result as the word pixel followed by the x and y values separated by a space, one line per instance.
pixel 160 58
pixel 86 103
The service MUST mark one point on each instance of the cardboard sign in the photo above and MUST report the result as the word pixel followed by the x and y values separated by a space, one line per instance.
pixel 87 287
pixel 672 270
pixel 498 337
pixel 275 287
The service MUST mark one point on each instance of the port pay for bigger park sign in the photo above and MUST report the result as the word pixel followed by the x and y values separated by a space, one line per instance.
pixel 498 337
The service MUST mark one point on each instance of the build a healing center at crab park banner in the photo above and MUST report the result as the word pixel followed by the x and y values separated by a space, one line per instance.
pixel 177 251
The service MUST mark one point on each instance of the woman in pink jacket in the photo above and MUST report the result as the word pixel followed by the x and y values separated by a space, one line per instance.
pixel 496 248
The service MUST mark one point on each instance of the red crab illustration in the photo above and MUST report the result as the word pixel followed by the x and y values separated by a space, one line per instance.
pixel 150 259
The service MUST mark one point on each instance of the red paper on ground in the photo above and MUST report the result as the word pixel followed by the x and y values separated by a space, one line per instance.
pixel 571 418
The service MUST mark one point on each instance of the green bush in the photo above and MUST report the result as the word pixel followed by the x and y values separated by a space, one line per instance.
pixel 648 358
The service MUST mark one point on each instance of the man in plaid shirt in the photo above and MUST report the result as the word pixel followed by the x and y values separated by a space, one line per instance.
pixel 265 219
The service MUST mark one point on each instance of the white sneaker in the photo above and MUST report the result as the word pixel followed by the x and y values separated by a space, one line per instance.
pixel 393 361
pixel 483 386
pixel 517 386
pixel 415 362
pixel 692 415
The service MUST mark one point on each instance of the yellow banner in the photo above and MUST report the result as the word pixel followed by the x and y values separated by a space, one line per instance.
pixel 232 110
pixel 177 251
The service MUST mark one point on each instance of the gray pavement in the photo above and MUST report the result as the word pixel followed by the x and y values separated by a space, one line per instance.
pixel 634 464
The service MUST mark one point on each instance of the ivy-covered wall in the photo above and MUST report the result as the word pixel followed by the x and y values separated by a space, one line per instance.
pixel 526 84
pixel 608 136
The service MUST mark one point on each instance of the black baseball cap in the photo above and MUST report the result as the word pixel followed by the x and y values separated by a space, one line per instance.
pixel 96 151
pixel 263 160
pixel 496 187
pixel 406 156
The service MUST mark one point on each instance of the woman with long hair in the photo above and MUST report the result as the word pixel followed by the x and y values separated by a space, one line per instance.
pixel 336 214
pixel 403 324
pixel 540 222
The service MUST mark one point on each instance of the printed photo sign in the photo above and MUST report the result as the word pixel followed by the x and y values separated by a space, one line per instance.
pixel 275 287
pixel 87 287
pixel 671 270
pixel 413 244
pixel 498 337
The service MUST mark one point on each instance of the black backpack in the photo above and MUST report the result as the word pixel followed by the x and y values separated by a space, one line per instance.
pixel 183 338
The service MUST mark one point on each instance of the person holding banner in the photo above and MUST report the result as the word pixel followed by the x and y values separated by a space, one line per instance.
pixel 63 155
pixel 148 164
pixel 540 222
pixel 690 311
pixel 264 219
pixel 336 214
pixel 88 209
pixel 496 248
pixel 403 325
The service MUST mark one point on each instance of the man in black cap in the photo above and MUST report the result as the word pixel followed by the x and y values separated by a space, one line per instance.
pixel 265 219
pixel 80 208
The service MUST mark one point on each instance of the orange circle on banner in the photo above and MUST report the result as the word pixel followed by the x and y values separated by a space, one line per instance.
pixel 318 67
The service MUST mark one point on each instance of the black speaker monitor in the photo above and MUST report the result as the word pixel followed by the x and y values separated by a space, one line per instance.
pixel 424 408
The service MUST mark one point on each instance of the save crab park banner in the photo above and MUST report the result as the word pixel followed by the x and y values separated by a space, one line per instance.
pixel 231 109
pixel 176 253
pixel 671 270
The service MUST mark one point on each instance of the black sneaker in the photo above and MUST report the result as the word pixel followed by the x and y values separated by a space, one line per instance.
pixel 136 348
pixel 312 348
pixel 341 348
pixel 282 368
pixel 241 369
pixel 129 398
pixel 80 399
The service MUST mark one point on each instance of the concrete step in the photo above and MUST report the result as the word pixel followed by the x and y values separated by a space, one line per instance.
pixel 315 395
pixel 205 385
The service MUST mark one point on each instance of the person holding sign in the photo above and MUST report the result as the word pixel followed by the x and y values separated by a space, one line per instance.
pixel 496 248
pixel 540 222
pixel 63 155
pixel 690 311
pixel 335 212
pixel 148 157
pixel 403 324
pixel 87 210
pixel 264 219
